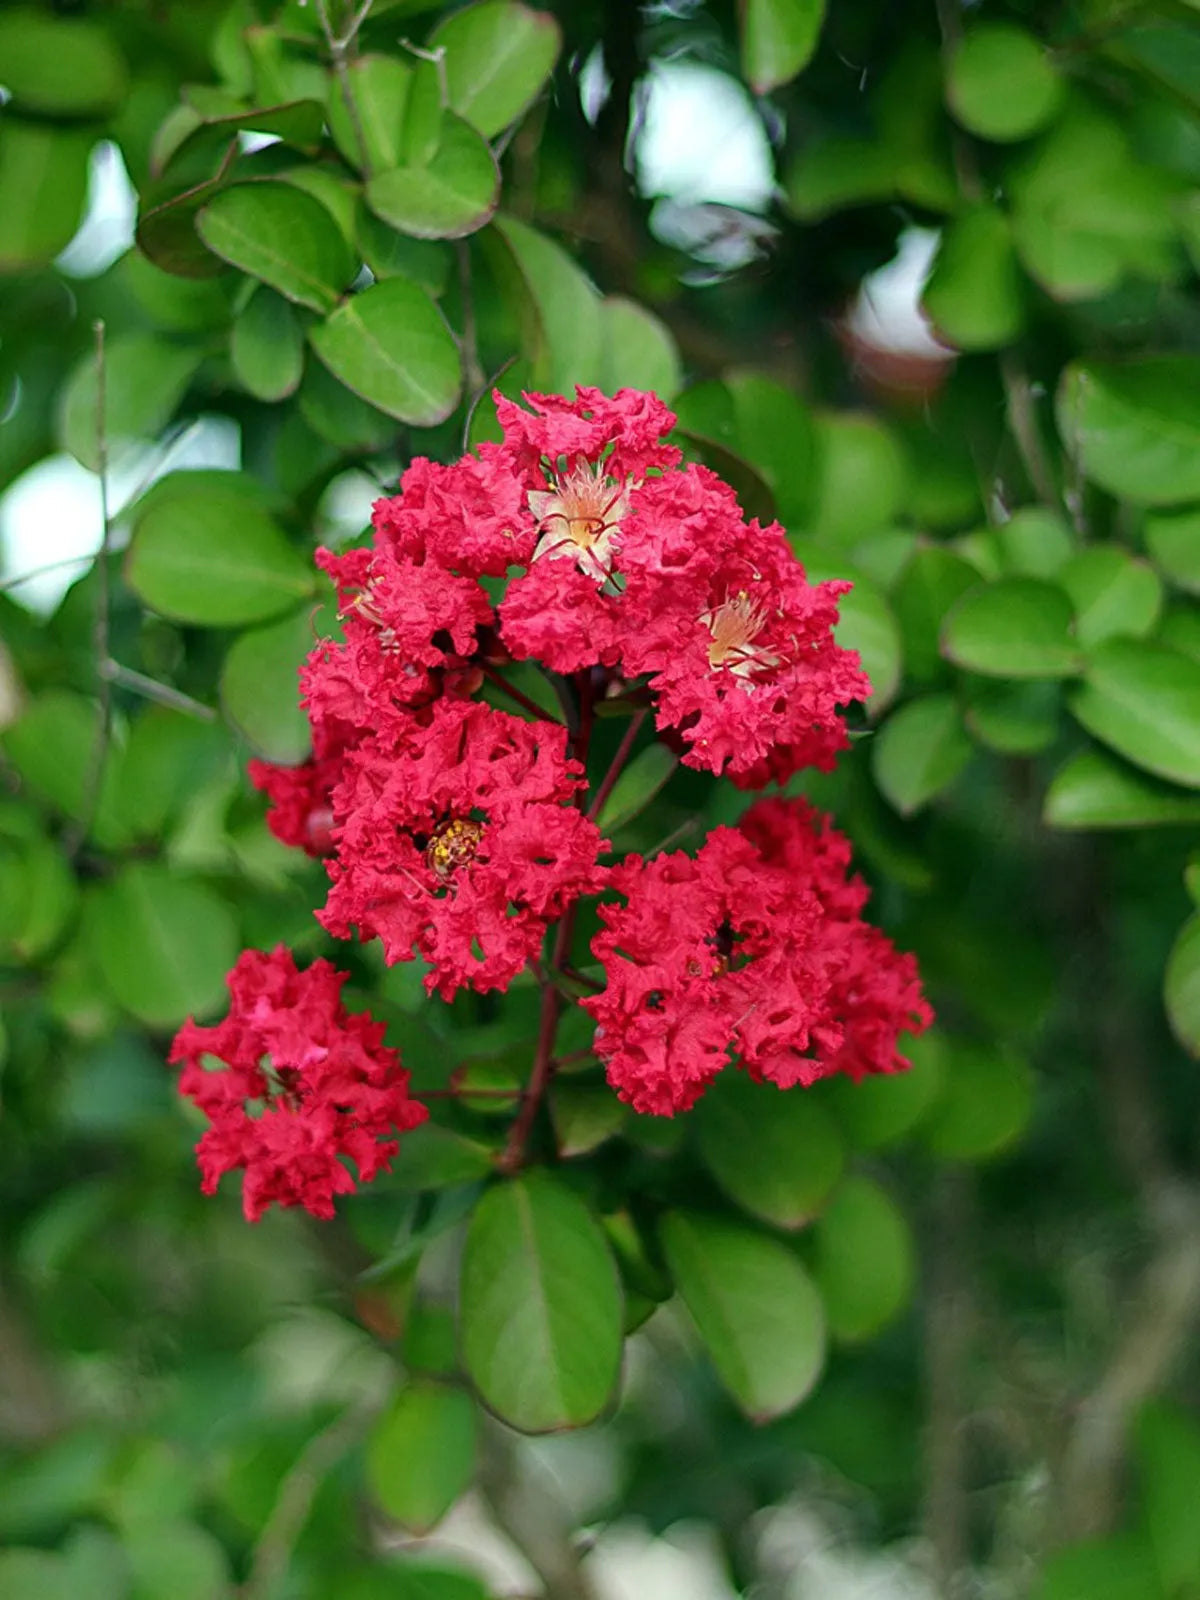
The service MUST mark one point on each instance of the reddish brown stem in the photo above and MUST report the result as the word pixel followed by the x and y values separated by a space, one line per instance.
pixel 514 693
pixel 616 766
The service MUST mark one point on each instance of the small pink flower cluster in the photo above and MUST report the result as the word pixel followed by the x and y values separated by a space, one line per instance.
pixel 461 832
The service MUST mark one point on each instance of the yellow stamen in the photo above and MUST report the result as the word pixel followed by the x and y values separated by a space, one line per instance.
pixel 734 625
pixel 580 519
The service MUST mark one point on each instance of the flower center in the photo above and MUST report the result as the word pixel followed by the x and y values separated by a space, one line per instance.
pixel 580 519
pixel 453 845
pixel 734 626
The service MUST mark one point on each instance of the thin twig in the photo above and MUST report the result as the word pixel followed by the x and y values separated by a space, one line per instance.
pixel 469 343
pixel 284 1525
pixel 94 775
pixel 340 45
pixel 502 683
pixel 1022 421
pixel 151 689
pixel 616 766
pixel 486 386
pixel 437 59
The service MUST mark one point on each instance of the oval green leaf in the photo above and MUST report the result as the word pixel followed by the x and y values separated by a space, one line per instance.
pixel 567 334
pixel 451 194
pixel 1173 540
pixel 778 40
pixel 1033 543
pixel 1001 83
pixel 930 583
pixel 865 1259
pixel 1017 719
pixel 421 1454
pixel 985 1104
pixel 756 1311
pixel 1181 986
pixel 205 551
pixel 1134 426
pixel 1141 700
pixel 920 750
pixel 778 1155
pixel 539 1306
pixel 59 66
pixel 145 378
pixel 1014 628
pixel 163 943
pixel 392 347
pixel 885 1106
pixel 584 1116
pixel 497 57
pixel 260 688
pixel 282 236
pixel 267 347
pixel 1114 594
pixel 379 87
pixel 639 350
pixel 43 187
pixel 974 297
pixel 633 791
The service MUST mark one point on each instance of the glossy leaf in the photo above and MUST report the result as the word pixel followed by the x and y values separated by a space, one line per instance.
pixel 985 1104
pixel 1095 790
pixel 204 550
pixel 883 1107
pixel 973 296
pixel 861 475
pixel 1114 594
pixel 1181 986
pixel 260 687
pixel 421 1453
pixel 927 588
pixel 639 351
pixel 498 55
pixel 163 943
pixel 1001 83
pixel 637 785
pixel 777 1155
pixel 1135 426
pixel 539 1306
pixel 756 1310
pixel 145 378
pixel 379 86
pixel 865 1259
pixel 391 346
pixel 1140 699
pixel 778 40
pixel 1016 628
pixel 267 347
pixel 451 194
pixel 1034 543
pixel 59 66
pixel 920 750
pixel 567 343
pixel 282 236
pixel 1173 540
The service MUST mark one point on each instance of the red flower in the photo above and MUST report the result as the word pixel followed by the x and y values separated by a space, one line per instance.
pixel 305 1084
pixel 459 843
pixel 469 518
pixel 708 955
pixel 874 989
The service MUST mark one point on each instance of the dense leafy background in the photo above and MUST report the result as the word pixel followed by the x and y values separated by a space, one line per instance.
pixel 960 1306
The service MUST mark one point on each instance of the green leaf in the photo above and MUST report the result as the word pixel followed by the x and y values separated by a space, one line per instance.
pixel 882 1108
pixel 566 345
pixel 163 943
pixel 1017 719
pixel 1173 540
pixel 380 88
pixel 446 196
pixel 497 57
pixel 1168 1456
pixel 432 1157
pixel 282 236
pixel 1181 986
pixel 584 1116
pixel 394 255
pixel 267 347
pixel 176 1558
pixel 205 551
pixel 166 227
pixel 51 745
pixel 920 750
pixel 59 66
pixel 1180 629
pixel 421 1454
pixel 1135 426
pixel 1114 594
pixel 633 791
pixel 861 478
pixel 260 687
pixel 1118 1568
pixel 38 897
pixel 777 1154
pixel 973 296
pixel 927 588
pixel 985 1104
pixel 865 1259
pixel 756 1311
pixel 391 346
pixel 1033 543
pixel 757 421
pixel 43 187
pixel 1015 628
pixel 340 417
pixel 1001 83
pixel 1094 790
pixel 405 1580
pixel 1140 699
pixel 778 40
pixel 638 350
pixel 539 1306
pixel 145 378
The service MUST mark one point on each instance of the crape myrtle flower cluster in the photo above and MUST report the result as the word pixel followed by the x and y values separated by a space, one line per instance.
pixel 463 833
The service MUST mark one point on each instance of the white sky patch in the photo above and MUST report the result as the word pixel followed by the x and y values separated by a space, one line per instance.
pixel 887 312
pixel 51 514
pixel 701 139
pixel 106 231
